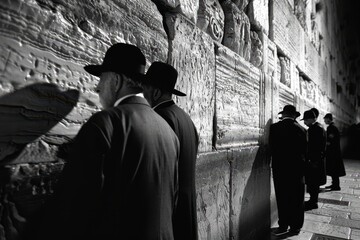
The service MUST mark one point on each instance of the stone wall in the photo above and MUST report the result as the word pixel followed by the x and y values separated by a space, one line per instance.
pixel 239 62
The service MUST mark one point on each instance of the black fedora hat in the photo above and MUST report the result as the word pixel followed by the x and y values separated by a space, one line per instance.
pixel 121 58
pixel 163 76
pixel 329 116
pixel 309 114
pixel 316 111
pixel 290 109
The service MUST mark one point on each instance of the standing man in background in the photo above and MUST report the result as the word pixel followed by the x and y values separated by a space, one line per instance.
pixel 158 90
pixel 315 160
pixel 334 162
pixel 287 140
pixel 120 181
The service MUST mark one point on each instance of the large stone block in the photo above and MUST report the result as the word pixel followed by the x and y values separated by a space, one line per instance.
pixel 189 8
pixel 286 96
pixel 287 32
pixel 25 188
pixel 300 11
pixel 241 4
pixel 259 14
pixel 211 19
pixel 33 112
pixel 237 30
pixel 213 195
pixel 80 32
pixel 47 43
pixel 284 71
pixel 249 201
pixel 295 80
pixel 237 100
pixel 307 89
pixel 192 53
pixel 270 70
pixel 256 56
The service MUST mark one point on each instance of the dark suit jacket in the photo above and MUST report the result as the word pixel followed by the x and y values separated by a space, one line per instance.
pixel 185 222
pixel 315 171
pixel 334 162
pixel 287 140
pixel 120 181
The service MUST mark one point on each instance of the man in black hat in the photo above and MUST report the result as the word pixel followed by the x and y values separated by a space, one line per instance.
pixel 158 90
pixel 120 181
pixel 287 140
pixel 334 162
pixel 316 112
pixel 315 159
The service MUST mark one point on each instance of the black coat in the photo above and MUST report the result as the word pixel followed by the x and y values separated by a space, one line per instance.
pixel 287 142
pixel 334 162
pixel 120 181
pixel 315 166
pixel 185 221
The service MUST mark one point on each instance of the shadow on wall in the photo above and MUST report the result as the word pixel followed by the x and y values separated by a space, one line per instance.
pixel 30 112
pixel 255 221
pixel 350 142
pixel 25 116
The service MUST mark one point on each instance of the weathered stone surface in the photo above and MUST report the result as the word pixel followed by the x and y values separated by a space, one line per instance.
pixel 81 32
pixel 241 4
pixel 256 57
pixel 345 222
pixel 326 229
pixel 301 13
pixel 259 14
pixel 284 70
pixel 270 70
pixel 25 187
pixel 287 32
pixel 213 195
pixel 54 58
pixel 192 52
pixel 211 19
pixel 295 78
pixel 314 35
pixel 249 203
pixel 237 100
pixel 307 89
pixel 314 67
pixel 237 30
pixel 31 112
pixel 286 96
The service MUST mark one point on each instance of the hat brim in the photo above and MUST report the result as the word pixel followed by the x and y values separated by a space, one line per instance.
pixel 178 93
pixel 97 70
pixel 296 113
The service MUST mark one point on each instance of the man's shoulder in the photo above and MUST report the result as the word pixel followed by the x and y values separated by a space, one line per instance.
pixel 173 111
pixel 286 124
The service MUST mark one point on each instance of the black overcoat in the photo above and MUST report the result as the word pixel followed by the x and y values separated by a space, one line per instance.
pixel 315 165
pixel 120 181
pixel 185 221
pixel 334 163
pixel 287 140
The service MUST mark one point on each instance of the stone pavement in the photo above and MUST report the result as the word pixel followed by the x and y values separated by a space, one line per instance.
pixel 338 215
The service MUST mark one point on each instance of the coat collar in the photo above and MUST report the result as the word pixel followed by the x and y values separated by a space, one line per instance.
pixel 164 104
pixel 134 99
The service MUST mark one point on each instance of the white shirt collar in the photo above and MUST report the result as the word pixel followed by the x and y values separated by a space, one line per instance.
pixel 127 96
pixel 162 103
pixel 287 118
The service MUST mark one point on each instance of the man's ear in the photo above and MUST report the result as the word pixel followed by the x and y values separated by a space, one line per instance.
pixel 156 94
pixel 118 82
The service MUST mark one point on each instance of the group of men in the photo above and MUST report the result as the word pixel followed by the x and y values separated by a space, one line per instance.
pixel 302 157
pixel 131 171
